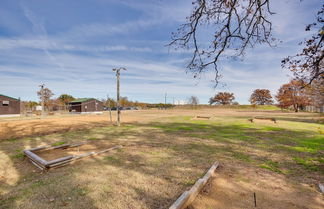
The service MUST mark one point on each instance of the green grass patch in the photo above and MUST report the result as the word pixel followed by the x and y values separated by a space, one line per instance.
pixel 12 139
pixel 18 156
pixel 92 138
pixel 189 182
pixel 38 183
pixel 271 128
pixel 58 143
pixel 271 165
pixel 241 156
pixel 79 191
pixel 308 163
pixel 113 160
pixel 314 143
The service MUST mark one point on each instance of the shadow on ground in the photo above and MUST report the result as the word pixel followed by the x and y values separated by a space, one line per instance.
pixel 158 162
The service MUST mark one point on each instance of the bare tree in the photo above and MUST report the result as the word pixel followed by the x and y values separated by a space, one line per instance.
pixel 316 92
pixel 45 94
pixel 309 64
pixel 236 25
pixel 193 101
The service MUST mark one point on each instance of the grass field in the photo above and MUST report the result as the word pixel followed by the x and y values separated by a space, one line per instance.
pixel 163 154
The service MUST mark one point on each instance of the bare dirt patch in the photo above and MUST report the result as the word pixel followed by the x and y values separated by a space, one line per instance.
pixel 85 148
pixel 234 185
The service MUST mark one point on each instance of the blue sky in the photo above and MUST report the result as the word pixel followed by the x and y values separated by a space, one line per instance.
pixel 71 47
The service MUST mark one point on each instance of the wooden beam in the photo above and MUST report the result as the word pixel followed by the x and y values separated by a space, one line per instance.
pixel 188 196
pixel 43 164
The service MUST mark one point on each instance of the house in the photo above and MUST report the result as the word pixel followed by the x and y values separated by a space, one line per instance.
pixel 85 105
pixel 9 106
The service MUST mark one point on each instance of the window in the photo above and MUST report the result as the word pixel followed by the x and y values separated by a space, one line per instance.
pixel 5 103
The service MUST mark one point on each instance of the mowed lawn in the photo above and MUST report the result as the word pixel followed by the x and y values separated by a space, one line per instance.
pixel 160 159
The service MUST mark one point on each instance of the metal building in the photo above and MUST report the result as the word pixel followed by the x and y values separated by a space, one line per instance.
pixel 9 106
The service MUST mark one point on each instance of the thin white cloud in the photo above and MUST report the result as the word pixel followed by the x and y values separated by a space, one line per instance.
pixel 79 61
pixel 39 30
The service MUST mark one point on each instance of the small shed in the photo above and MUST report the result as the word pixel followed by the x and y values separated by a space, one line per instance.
pixel 9 106
pixel 85 105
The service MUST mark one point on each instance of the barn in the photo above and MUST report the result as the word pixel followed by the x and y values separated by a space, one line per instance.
pixel 9 106
pixel 85 105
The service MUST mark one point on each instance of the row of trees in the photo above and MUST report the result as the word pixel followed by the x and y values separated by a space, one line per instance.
pixel 296 95
pixel 50 103
pixel 62 102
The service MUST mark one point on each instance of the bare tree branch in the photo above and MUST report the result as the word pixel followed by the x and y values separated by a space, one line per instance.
pixel 238 24
pixel 309 64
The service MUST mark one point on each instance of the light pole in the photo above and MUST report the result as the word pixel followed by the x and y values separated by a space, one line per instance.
pixel 117 70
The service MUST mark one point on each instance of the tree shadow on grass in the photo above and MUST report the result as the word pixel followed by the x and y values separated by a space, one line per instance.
pixel 158 162
pixel 43 127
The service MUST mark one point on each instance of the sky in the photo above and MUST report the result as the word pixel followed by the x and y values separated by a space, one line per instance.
pixel 72 47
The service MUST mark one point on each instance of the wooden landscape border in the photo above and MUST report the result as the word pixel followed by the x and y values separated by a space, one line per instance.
pixel 263 118
pixel 188 196
pixel 202 117
pixel 45 165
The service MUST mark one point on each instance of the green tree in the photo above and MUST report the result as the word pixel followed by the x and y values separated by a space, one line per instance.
pixel 65 98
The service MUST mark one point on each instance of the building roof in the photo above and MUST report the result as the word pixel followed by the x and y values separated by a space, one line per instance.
pixel 8 96
pixel 82 100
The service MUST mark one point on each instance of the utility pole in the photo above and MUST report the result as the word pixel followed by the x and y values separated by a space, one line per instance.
pixel 118 78
pixel 42 98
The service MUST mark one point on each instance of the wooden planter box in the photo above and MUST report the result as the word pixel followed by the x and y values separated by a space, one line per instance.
pixel 45 165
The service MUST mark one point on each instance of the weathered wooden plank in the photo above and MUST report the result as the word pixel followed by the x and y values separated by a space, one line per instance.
pixel 203 117
pixel 59 160
pixel 43 164
pixel 96 153
pixel 37 165
pixel 179 203
pixel 59 164
pixel 35 157
pixel 188 196
pixel 38 148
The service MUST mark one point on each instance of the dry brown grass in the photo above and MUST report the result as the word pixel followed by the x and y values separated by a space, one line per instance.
pixel 22 127
pixel 164 153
